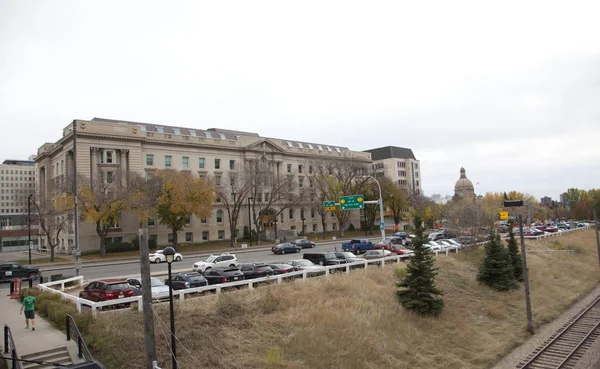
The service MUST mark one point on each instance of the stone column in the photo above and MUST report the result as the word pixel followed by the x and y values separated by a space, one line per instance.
pixel 94 166
pixel 123 166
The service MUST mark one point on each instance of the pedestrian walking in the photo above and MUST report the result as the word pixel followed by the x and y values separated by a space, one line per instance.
pixel 29 306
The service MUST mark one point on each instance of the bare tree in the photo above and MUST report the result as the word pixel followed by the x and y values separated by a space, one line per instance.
pixel 52 218
pixel 232 193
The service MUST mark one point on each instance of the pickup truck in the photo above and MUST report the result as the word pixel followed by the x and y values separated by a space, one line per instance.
pixel 9 271
pixel 358 245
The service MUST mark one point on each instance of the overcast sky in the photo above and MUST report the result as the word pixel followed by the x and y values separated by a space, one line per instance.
pixel 510 91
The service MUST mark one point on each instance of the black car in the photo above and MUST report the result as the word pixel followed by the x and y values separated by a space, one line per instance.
pixel 285 248
pixel 305 244
pixel 256 270
pixel 9 271
pixel 181 281
pixel 324 258
pixel 223 275
pixel 283 268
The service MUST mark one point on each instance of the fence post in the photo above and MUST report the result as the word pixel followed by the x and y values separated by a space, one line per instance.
pixel 12 289
pixel 347 269
pixel 140 304
pixel 78 303
pixel 79 352
pixel 5 339
pixel 15 363
pixel 30 283
pixel 250 285
pixel 304 275
pixel 68 321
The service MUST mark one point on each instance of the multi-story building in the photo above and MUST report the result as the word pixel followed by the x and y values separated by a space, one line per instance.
pixel 17 181
pixel 546 200
pixel 106 148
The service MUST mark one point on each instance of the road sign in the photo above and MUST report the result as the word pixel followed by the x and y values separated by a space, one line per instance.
pixel 504 215
pixel 381 226
pixel 512 203
pixel 329 205
pixel 351 202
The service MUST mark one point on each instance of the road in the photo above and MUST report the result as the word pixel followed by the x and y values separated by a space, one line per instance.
pixel 132 268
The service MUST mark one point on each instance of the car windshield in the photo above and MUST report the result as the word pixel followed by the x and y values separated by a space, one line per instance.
pixel 196 278
pixel 117 286
pixel 305 262
pixel 159 252
pixel 263 267
pixel 348 255
pixel 330 256
pixel 156 282
pixel 210 259
pixel 300 241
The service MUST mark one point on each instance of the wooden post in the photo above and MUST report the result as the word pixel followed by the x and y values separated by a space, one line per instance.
pixel 149 340
pixel 526 278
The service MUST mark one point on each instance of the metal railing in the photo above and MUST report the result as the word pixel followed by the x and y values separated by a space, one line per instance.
pixel 73 333
pixel 11 350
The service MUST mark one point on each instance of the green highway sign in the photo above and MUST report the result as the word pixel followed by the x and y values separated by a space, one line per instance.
pixel 329 205
pixel 352 202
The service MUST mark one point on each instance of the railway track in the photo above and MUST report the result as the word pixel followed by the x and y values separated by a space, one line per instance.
pixel 567 346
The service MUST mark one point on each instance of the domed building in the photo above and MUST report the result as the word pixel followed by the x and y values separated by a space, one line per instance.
pixel 463 189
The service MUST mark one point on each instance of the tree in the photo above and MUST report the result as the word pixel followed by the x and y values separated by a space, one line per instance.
pixel 181 195
pixel 394 199
pixel 417 291
pixel 513 253
pixel 52 217
pixel 232 193
pixel 496 270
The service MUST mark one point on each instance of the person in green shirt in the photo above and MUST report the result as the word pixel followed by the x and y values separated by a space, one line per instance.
pixel 29 307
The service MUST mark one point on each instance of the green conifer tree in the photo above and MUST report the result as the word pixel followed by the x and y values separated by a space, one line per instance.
pixel 515 256
pixel 496 270
pixel 417 291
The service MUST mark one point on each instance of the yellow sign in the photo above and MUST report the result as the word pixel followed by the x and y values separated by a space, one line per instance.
pixel 342 201
pixel 504 215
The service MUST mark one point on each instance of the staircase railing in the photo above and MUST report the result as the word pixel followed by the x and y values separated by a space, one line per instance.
pixel 10 349
pixel 73 333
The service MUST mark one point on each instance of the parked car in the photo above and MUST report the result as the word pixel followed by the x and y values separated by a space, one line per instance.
pixel 402 235
pixel 285 248
pixel 435 236
pixel 159 257
pixel 216 261
pixel 156 285
pixel 456 243
pixel 107 289
pixel 446 245
pixel 304 264
pixel 182 281
pixel 305 244
pixel 348 256
pixel 433 246
pixel 9 271
pixel 377 254
pixel 357 245
pixel 324 258
pixel 223 275
pixel 393 244
pixel 256 270
pixel 282 268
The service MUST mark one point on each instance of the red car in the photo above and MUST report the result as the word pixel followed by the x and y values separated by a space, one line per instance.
pixel 108 289
pixel 393 244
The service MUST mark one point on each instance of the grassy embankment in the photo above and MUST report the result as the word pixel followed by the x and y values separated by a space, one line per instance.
pixel 355 321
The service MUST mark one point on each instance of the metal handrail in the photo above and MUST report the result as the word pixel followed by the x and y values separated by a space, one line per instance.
pixel 82 350
pixel 9 348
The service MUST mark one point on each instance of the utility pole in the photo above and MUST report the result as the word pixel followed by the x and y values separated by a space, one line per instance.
pixel 29 226
pixel 149 340
pixel 75 195
pixel 526 278
pixel 597 235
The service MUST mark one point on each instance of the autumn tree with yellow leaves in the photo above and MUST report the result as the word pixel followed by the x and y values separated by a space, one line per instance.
pixel 181 195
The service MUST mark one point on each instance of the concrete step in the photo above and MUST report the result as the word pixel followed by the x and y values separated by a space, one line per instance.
pixel 58 355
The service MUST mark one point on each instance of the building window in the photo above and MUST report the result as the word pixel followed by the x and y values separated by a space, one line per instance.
pixel 219 216
pixel 232 164
pixel 109 177
pixel 185 162
pixel 221 235
pixel 266 197
pixel 302 214
pixel 314 227
pixel 232 181
pixel 402 182
pixel 312 213
pixel 149 159
pixel 170 238
pixel 416 174
pixel 417 183
pixel 218 180
pixel 401 173
pixel 289 168
pixel 188 236
pixel 334 226
pixel 291 214
pixel 109 157
pixel 188 219
pixel 416 166
pixel 300 181
pixel 205 236
pixel 310 169
pixel 300 168
pixel 217 163
pixel 168 159
pixel 203 220
pixel 401 164
pixel 310 183
pixel 232 197
pixel 201 163
pixel 151 222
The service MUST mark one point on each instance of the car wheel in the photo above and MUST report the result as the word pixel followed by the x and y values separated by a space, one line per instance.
pixel 357 251
pixel 232 265
pixel 312 245
pixel 206 270
pixel 283 252
pixel 32 276
pixel 178 258
pixel 157 261
pixel 297 250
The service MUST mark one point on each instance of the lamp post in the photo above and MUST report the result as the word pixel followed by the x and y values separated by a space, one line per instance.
pixel 169 253
pixel 381 216
pixel 29 225
pixel 275 223
pixel 234 235
pixel 250 220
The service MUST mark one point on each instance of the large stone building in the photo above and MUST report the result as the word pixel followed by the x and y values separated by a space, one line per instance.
pixel 106 148
pixel 17 181
pixel 464 189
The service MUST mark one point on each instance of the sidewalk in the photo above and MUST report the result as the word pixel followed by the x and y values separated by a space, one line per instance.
pixel 45 337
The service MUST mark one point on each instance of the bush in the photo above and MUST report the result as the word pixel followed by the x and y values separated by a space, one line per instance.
pixel 120 247
pixel 135 243
pixel 351 228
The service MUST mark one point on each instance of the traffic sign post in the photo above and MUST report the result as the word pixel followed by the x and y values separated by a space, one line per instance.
pixel 503 215
pixel 329 205
pixel 352 202
pixel 381 226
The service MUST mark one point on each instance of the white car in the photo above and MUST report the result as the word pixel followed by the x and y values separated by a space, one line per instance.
pixel 447 245
pixel 216 261
pixel 456 243
pixel 305 265
pixel 159 257
pixel 432 246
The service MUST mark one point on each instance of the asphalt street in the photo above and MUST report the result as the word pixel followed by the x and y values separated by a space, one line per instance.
pixel 132 268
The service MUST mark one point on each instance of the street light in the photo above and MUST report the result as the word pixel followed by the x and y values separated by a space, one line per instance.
pixel 250 220
pixel 29 225
pixel 169 254
pixel 381 216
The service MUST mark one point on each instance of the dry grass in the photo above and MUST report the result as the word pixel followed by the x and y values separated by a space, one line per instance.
pixel 355 321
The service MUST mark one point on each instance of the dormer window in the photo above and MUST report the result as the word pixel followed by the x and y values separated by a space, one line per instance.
pixel 329 148
pixel 160 130
pixel 207 135
pixel 222 136
pixel 310 146
pixel 192 133
pixel 177 131
pixel 289 144
pixel 338 149
pixel 320 147
pixel 300 145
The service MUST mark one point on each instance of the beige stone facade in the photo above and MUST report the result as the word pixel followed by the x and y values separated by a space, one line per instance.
pixel 108 147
